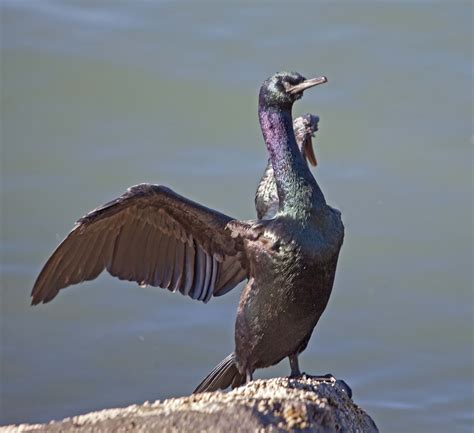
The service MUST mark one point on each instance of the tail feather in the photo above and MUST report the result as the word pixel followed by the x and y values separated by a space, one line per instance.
pixel 222 376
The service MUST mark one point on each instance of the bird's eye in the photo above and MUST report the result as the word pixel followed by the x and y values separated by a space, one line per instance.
pixel 286 85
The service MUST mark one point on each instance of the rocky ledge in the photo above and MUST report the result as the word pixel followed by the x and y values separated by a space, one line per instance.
pixel 303 404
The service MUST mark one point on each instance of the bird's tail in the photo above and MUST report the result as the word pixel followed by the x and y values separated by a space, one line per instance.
pixel 222 376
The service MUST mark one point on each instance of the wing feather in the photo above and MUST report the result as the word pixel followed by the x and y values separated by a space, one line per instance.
pixel 189 268
pixel 212 284
pixel 148 252
pixel 150 235
pixel 161 259
pixel 178 266
pixel 168 264
pixel 207 276
pixel 199 270
pixel 157 240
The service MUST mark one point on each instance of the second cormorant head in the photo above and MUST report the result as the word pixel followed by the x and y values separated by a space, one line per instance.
pixel 284 88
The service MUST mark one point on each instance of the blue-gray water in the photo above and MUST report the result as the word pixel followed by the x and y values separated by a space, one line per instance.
pixel 98 96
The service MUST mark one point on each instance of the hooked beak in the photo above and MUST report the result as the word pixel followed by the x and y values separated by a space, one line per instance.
pixel 306 84
pixel 308 152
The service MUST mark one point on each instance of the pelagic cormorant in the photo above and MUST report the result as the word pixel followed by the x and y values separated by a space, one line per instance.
pixel 266 196
pixel 154 236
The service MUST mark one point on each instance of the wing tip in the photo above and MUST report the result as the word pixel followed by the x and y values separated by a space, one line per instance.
pixel 36 299
pixel 41 296
pixel 36 294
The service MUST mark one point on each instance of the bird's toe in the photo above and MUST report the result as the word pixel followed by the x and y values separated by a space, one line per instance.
pixel 345 387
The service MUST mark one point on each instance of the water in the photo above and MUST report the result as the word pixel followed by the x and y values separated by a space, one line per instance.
pixel 96 98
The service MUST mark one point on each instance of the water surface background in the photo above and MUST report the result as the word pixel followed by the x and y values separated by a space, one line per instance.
pixel 99 95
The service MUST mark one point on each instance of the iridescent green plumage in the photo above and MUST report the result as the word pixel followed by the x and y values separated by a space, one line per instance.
pixel 154 236
pixel 292 256
pixel 266 196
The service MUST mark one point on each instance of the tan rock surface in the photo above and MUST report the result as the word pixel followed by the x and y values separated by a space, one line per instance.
pixel 303 404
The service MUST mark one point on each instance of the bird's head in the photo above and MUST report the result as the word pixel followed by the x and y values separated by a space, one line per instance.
pixel 284 88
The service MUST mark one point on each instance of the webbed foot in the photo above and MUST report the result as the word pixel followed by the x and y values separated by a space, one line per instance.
pixel 330 378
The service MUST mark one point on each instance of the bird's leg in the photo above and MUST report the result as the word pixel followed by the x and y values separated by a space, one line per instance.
pixel 249 376
pixel 295 368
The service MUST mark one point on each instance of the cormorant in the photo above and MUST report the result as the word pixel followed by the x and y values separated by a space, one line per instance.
pixel 154 236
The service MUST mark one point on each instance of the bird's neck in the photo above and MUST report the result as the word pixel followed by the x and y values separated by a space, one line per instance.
pixel 298 192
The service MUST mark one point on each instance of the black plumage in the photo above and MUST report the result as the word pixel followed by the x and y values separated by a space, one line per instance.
pixel 154 236
pixel 136 237
pixel 266 196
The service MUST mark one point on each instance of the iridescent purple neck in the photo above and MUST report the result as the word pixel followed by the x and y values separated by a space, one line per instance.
pixel 298 191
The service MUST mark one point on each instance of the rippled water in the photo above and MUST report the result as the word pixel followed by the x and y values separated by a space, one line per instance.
pixel 98 96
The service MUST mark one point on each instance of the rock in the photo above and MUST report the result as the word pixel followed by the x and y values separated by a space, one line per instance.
pixel 303 404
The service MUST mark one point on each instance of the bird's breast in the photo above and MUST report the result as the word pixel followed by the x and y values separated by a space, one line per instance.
pixel 294 263
pixel 292 268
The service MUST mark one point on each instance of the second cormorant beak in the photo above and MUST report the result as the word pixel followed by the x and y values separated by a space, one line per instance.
pixel 306 84
pixel 308 152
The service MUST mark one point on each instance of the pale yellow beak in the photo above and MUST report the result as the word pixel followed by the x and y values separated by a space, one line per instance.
pixel 308 152
pixel 306 84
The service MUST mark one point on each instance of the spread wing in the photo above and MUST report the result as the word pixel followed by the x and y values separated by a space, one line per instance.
pixel 153 236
